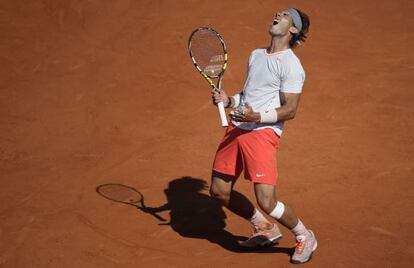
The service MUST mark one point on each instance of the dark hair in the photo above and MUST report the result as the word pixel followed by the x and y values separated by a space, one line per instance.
pixel 301 36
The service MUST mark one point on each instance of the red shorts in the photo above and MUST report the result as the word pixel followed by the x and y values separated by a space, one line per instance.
pixel 251 150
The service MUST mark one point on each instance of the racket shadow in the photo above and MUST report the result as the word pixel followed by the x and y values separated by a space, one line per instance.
pixel 128 195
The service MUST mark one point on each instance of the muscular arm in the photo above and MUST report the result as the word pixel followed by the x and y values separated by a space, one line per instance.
pixel 290 103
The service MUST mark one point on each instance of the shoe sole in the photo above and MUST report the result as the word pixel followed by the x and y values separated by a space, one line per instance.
pixel 271 241
pixel 267 243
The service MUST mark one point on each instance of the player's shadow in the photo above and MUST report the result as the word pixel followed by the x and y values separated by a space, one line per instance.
pixel 195 214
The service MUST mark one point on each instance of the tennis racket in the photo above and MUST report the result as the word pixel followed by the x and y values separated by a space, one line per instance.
pixel 126 195
pixel 209 55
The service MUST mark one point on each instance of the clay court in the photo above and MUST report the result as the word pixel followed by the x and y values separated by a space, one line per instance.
pixel 97 92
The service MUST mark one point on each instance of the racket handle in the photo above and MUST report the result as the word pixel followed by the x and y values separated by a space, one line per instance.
pixel 223 116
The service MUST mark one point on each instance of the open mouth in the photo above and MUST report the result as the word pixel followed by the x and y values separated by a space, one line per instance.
pixel 275 22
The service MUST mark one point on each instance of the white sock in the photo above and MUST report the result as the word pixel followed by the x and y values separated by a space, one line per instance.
pixel 258 220
pixel 300 231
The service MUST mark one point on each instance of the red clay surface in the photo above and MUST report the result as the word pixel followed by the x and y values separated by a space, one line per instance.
pixel 96 92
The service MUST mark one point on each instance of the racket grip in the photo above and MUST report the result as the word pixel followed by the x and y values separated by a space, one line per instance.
pixel 223 116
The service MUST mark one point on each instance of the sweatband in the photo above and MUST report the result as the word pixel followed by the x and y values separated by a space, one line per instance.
pixel 269 116
pixel 236 99
pixel 278 211
pixel 297 21
pixel 228 102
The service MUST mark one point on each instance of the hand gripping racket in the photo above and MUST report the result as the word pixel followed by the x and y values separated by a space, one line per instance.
pixel 209 55
pixel 126 195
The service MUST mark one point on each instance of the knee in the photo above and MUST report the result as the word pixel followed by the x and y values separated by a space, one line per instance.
pixel 220 194
pixel 266 203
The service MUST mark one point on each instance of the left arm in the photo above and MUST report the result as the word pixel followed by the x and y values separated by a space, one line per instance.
pixel 290 103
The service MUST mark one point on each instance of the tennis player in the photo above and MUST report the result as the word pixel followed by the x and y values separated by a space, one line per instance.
pixel 270 97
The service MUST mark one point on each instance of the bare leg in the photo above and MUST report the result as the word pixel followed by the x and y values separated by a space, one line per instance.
pixel 222 190
pixel 306 241
pixel 266 198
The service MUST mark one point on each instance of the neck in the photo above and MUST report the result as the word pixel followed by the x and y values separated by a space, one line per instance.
pixel 278 44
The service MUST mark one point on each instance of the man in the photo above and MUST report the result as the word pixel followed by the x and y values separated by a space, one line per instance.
pixel 270 96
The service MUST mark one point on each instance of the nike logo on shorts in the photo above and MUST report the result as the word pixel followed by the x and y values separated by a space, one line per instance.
pixel 259 175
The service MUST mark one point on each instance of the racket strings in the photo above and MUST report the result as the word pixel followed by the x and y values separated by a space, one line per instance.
pixel 208 52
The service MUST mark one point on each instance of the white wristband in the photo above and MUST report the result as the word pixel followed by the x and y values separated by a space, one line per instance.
pixel 269 116
pixel 236 99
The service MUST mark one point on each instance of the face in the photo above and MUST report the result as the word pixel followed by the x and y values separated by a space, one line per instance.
pixel 282 24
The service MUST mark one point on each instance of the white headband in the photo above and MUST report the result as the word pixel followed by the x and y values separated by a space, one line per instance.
pixel 297 21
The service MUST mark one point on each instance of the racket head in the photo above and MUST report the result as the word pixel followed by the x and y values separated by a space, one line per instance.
pixel 120 193
pixel 208 52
